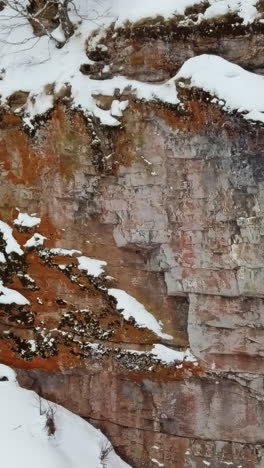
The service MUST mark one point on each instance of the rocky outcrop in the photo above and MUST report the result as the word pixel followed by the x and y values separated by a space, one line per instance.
pixel 153 50
pixel 173 201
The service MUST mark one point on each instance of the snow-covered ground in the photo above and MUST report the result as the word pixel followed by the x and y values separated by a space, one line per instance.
pixel 36 433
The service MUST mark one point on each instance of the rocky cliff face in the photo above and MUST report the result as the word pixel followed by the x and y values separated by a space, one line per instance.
pixel 173 201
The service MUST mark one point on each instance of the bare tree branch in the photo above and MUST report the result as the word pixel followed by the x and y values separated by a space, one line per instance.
pixel 43 19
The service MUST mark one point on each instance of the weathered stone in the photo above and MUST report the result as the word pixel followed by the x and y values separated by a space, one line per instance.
pixel 155 419
pixel 173 200
pixel 225 332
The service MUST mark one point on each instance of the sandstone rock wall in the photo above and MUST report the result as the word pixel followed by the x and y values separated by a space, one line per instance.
pixel 173 201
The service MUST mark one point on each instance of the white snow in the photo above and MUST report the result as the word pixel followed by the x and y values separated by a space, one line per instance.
pixel 11 243
pixel 139 9
pixel 132 308
pixel 168 355
pixel 10 296
pixel 164 92
pixel 91 266
pixel 117 108
pixel 31 63
pixel 2 258
pixel 63 252
pixel 28 277
pixel 37 240
pixel 246 9
pixel 241 90
pixel 6 371
pixel 33 345
pixel 25 441
pixel 154 460
pixel 26 220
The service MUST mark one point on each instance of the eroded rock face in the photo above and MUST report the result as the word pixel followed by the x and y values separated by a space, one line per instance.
pixel 173 201
pixel 154 50
pixel 176 421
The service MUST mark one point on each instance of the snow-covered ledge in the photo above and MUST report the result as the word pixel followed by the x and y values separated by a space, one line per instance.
pixel 232 87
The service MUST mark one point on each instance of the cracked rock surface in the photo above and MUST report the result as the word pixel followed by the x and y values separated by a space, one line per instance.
pixel 173 201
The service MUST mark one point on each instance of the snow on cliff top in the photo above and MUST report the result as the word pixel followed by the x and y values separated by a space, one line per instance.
pixel 35 65
pixel 25 438
pixel 30 64
pixel 239 89
pixel 138 9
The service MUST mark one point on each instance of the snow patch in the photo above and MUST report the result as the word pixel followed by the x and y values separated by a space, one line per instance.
pixel 241 90
pixel 7 372
pixel 118 107
pixel 130 307
pixel 2 258
pixel 11 243
pixel 140 9
pixel 91 266
pixel 10 296
pixel 154 460
pixel 168 355
pixel 63 252
pixel 35 241
pixel 245 9
pixel 26 220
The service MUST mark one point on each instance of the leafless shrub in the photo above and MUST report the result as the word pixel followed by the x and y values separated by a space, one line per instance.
pixel 49 412
pixel 106 449
pixel 44 16
pixel 50 425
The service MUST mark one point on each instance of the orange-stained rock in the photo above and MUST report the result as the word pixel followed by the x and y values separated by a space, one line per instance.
pixel 173 202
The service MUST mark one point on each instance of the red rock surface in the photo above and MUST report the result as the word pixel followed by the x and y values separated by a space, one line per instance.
pixel 177 212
